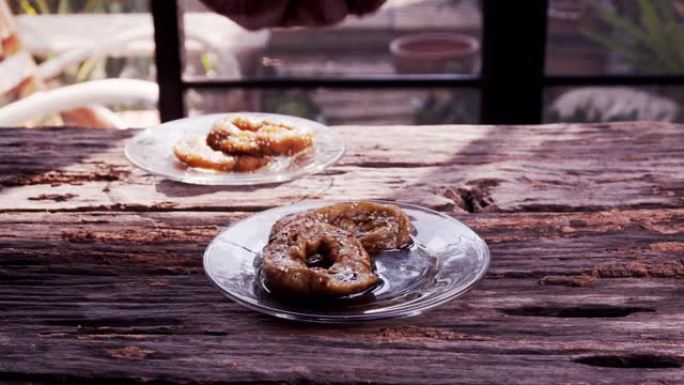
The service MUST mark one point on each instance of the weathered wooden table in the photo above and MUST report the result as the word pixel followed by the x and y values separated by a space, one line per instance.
pixel 101 278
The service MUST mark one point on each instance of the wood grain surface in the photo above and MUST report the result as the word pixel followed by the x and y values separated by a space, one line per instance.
pixel 101 278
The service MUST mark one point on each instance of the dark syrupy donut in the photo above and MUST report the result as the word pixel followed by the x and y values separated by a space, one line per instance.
pixel 316 259
pixel 378 226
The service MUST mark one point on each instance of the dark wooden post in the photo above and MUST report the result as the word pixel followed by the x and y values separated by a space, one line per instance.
pixel 168 37
pixel 513 44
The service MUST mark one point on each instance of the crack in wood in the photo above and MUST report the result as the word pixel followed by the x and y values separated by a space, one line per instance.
pixel 130 352
pixel 160 207
pixel 155 234
pixel 568 280
pixel 632 361
pixel 395 164
pixel 666 269
pixel 53 197
pixel 587 311
pixel 49 378
pixel 474 197
pixel 399 334
pixel 115 322
pixel 107 173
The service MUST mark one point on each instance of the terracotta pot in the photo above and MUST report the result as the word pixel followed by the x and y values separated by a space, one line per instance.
pixel 435 53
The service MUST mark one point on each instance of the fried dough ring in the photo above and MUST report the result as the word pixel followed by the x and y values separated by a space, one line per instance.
pixel 312 258
pixel 378 226
pixel 194 152
pixel 258 137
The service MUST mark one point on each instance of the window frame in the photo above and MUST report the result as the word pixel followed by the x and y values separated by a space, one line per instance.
pixel 511 91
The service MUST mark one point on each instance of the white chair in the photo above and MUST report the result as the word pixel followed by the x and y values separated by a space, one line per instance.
pixel 93 94
pixel 598 104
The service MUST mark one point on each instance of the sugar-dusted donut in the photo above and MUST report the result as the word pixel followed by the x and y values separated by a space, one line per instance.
pixel 194 152
pixel 258 137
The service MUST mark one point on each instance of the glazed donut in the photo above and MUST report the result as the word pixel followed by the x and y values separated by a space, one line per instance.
pixel 194 152
pixel 377 226
pixel 258 137
pixel 316 259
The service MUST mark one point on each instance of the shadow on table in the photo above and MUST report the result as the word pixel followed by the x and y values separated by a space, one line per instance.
pixel 460 183
pixel 173 189
pixel 557 167
pixel 32 156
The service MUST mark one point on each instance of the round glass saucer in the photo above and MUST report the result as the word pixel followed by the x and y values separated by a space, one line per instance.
pixel 445 260
pixel 152 151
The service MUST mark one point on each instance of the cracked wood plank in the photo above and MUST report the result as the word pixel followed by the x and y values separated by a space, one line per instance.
pixel 459 168
pixel 523 245
pixel 102 282
pixel 185 332
pixel 90 300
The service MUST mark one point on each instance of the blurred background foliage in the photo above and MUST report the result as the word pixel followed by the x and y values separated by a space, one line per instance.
pixel 648 34
pixel 39 7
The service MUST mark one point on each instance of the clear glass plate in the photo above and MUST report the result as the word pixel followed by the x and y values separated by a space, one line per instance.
pixel 152 151
pixel 446 259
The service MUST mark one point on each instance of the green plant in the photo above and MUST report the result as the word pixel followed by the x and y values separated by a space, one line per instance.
pixel 449 108
pixel 653 41
pixel 291 102
pixel 39 7
pixel 112 67
pixel 295 102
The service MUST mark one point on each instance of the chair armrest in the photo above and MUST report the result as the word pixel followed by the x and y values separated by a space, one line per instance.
pixel 117 43
pixel 96 92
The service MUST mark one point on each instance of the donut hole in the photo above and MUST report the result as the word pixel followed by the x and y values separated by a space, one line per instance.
pixel 320 255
